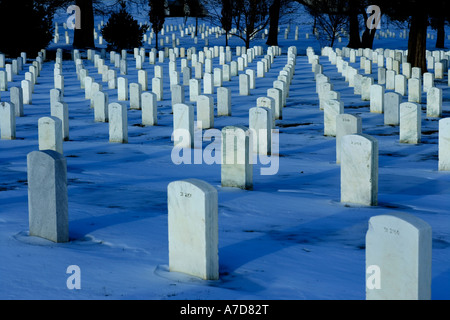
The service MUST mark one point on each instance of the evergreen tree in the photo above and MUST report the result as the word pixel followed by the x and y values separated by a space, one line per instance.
pixel 157 16
pixel 122 31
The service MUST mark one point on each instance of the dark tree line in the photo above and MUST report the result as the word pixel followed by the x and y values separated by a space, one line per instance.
pixel 247 17
pixel 417 14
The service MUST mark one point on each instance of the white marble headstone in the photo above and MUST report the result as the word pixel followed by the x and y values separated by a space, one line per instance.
pixel 410 123
pixel 193 228
pixel 359 170
pixel 399 245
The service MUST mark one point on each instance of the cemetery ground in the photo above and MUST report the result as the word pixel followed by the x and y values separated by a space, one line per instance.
pixel 289 237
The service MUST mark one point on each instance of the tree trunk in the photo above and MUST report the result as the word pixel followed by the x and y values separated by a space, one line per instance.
pixel 367 38
pixel 196 26
pixel 440 41
pixel 417 42
pixel 354 38
pixel 274 18
pixel 84 37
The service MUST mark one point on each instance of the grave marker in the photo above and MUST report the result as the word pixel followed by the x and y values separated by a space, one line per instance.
pixel 48 211
pixel 149 109
pixel 392 102
pixel 7 121
pixel 410 123
pixel 223 101
pixel 434 102
pixel 183 126
pixel 346 124
pixel 205 112
pixel 237 167
pixel 101 105
pixel 193 228
pixel 377 98
pixel 331 110
pixel 260 123
pixel 359 170
pixel 60 110
pixel 50 134
pixel 16 97
pixel 135 96
pixel 118 122
pixel 400 245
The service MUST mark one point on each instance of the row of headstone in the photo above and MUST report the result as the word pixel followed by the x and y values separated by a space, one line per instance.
pixel 357 153
pixel 408 114
pixel 157 87
pixel 388 103
pixel 47 168
pixel 193 215
pixel 19 96
pixel 398 245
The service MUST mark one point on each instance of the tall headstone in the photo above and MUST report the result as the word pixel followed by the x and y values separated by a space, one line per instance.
pixel 157 88
pixel 3 81
pixel 382 76
pixel 118 122
pixel 223 101
pixel 237 166
pixel 50 134
pixel 60 110
pixel 244 84
pixel 26 90
pixel 392 102
pixel 7 121
pixel 281 85
pixel 205 112
pixel 366 84
pixel 276 95
pixel 193 228
pixel 434 102
pixel 260 123
pixel 331 110
pixel 401 84
pixel 177 94
pixel 410 123
pixel 390 80
pixel 359 170
pixel 48 211
pixel 88 87
pixel 143 79
pixel 135 96
pixel 16 97
pixel 428 81
pixel 101 105
pixel 346 124
pixel 377 98
pixel 208 83
pixel 444 144
pixel 218 77
pixel 194 89
pixel 122 89
pixel 415 90
pixel 59 83
pixel 399 247
pixel 183 126
pixel 149 109
pixel 251 78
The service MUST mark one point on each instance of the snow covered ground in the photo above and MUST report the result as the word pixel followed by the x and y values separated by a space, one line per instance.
pixel 288 238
